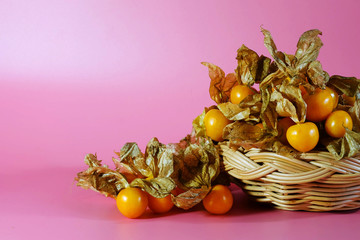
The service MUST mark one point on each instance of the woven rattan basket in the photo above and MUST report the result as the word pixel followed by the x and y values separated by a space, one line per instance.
pixel 314 182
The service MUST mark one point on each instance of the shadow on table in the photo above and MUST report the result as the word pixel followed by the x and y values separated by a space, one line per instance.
pixel 53 192
pixel 245 209
pixel 243 206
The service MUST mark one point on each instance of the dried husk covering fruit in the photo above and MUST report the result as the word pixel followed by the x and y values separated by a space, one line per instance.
pixel 279 81
pixel 194 163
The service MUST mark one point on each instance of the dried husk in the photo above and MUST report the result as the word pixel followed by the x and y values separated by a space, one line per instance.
pixel 264 67
pixel 304 60
pixel 151 172
pixel 221 84
pixel 346 85
pixel 100 178
pixel 280 96
pixel 197 162
pixel 251 68
pixel 159 158
pixel 199 126
pixel 153 169
pixel 284 107
pixel 125 170
pixel 249 109
pixel 158 187
pixel 131 155
pixel 192 164
pixel 301 68
pixel 190 198
pixel 247 65
pixel 354 112
pixel 317 75
pixel 269 119
pixel 308 48
pixel 282 61
pixel 233 111
pixel 247 135
pixel 347 146
pixel 289 102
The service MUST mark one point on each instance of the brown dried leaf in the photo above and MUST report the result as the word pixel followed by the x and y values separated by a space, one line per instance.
pixel 250 109
pixel 308 48
pixel 233 111
pixel 193 163
pixel 347 146
pixel 199 126
pixel 125 170
pixel 220 85
pixel 284 107
pixel 252 68
pixel 354 112
pixel 347 85
pixel 246 135
pixel 197 163
pixel 253 102
pixel 100 178
pixel 131 155
pixel 278 56
pixel 158 187
pixel 159 158
pixel 272 80
pixel 317 75
pixel 269 119
pixel 264 67
pixel 156 165
pixel 92 161
pixel 289 102
pixel 191 197
pixel 284 150
pixel 247 65
pixel 292 66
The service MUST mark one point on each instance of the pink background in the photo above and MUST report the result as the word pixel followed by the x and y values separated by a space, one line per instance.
pixel 81 77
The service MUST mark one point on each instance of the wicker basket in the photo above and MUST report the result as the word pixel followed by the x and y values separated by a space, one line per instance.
pixel 314 182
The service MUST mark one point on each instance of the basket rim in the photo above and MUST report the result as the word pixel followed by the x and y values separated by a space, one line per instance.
pixel 322 184
pixel 268 166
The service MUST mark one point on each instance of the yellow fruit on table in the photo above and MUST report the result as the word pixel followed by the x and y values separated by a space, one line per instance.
pixel 132 202
pixel 219 200
pixel 160 205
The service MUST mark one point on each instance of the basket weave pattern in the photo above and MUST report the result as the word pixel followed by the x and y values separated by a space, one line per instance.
pixel 314 182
